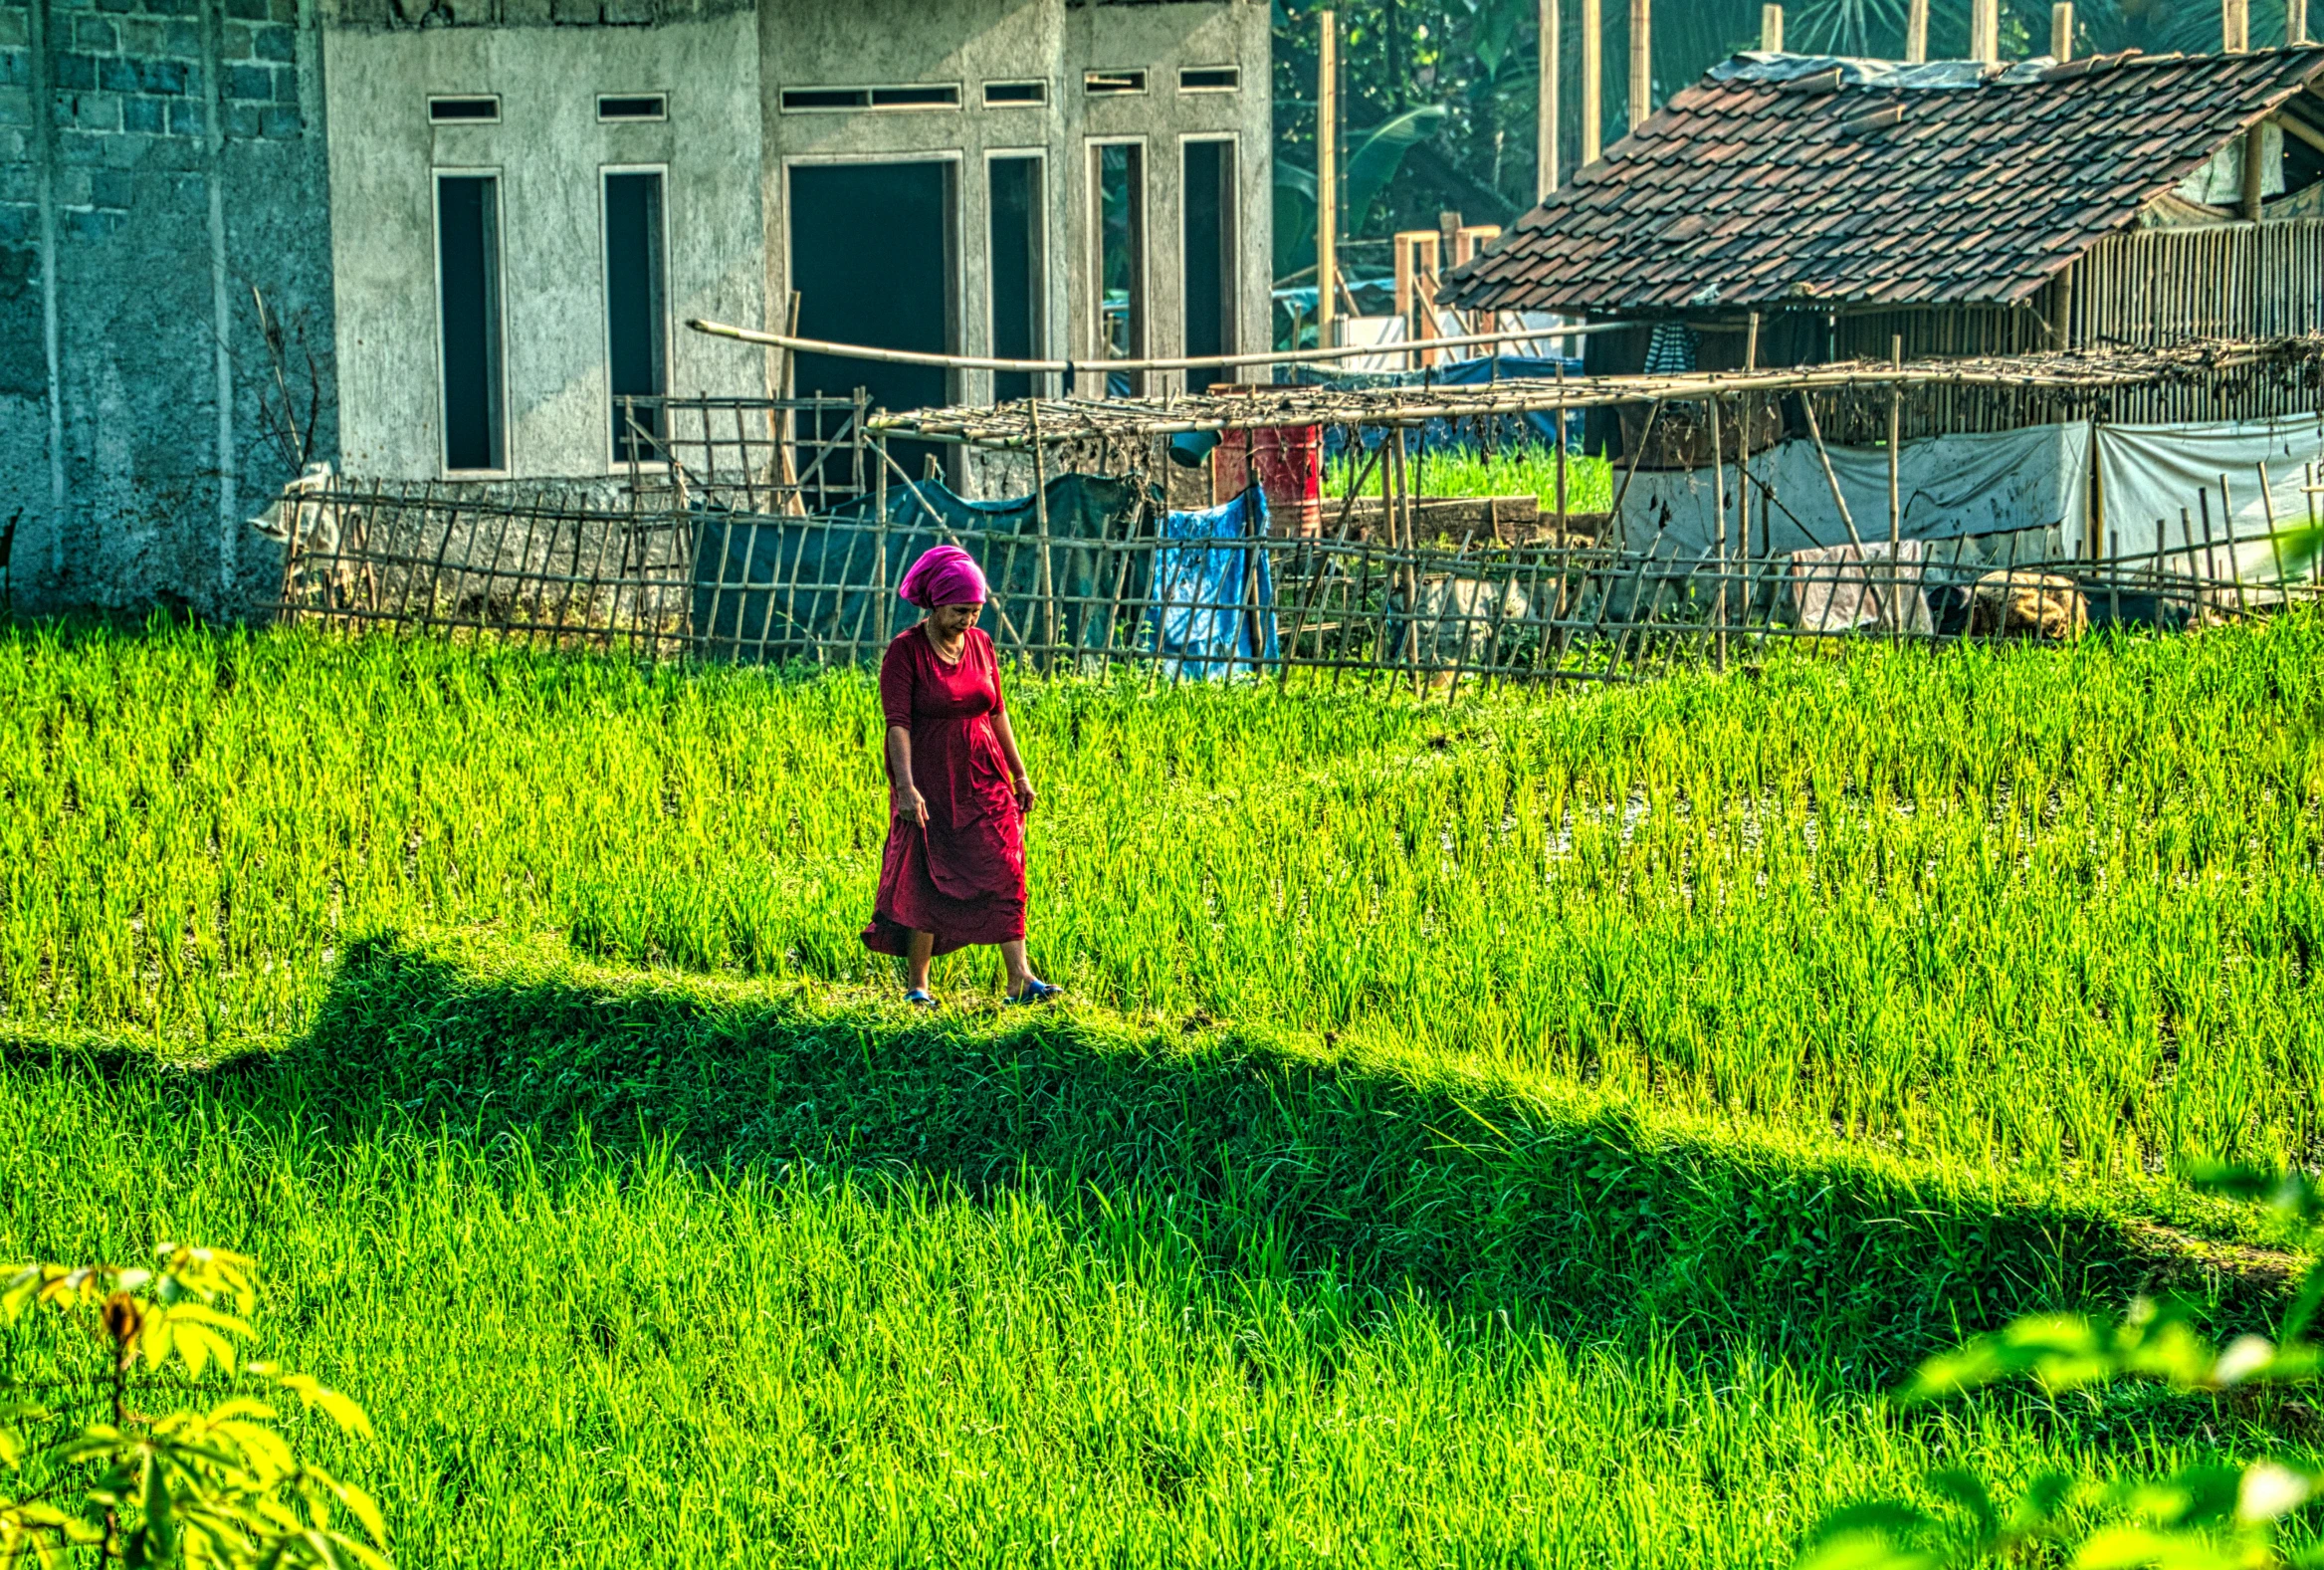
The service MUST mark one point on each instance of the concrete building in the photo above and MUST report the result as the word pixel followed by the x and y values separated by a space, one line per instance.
pixel 476 223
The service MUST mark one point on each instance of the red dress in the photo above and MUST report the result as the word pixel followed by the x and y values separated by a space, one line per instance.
pixel 963 877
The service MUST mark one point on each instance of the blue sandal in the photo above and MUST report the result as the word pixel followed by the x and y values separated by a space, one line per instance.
pixel 916 998
pixel 1037 992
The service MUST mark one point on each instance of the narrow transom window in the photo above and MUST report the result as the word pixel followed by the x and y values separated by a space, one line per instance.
pixel 633 106
pixel 1209 79
pixel 1103 81
pixel 480 109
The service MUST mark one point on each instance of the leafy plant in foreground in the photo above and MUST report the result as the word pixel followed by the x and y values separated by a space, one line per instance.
pixel 220 1487
pixel 2213 1515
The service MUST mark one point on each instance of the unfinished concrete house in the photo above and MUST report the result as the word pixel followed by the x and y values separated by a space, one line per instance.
pixel 486 223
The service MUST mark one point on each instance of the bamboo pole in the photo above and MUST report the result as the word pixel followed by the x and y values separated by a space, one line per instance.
pixel 1824 456
pixel 1770 29
pixel 1985 31
pixel 1592 79
pixel 1038 367
pixel 2234 555
pixel 1041 535
pixel 787 388
pixel 2210 558
pixel 1916 32
pixel 2234 26
pixel 2254 173
pixel 2061 31
pixel 1642 62
pixel 2295 23
pixel 1895 489
pixel 1545 103
pixel 1719 531
pixel 1327 179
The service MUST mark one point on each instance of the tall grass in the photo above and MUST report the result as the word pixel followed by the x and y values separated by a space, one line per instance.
pixel 1519 1132
pixel 2047 908
pixel 649 1272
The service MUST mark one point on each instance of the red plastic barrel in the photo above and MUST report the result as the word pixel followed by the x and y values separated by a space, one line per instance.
pixel 1289 465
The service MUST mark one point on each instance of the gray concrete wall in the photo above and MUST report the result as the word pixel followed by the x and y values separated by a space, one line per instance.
pixel 160 157
pixel 157 159
pixel 549 151
pixel 817 44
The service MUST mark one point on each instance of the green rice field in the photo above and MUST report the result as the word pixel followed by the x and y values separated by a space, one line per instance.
pixel 1529 1130
pixel 1527 470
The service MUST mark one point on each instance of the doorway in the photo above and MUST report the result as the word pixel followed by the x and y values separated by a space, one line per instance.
pixel 872 259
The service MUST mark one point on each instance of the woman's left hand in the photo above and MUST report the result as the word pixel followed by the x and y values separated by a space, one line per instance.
pixel 1026 794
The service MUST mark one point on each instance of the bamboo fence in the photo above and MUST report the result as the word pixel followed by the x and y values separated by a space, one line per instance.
pixel 771 531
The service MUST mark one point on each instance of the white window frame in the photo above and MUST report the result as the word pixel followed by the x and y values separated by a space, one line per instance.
pixel 1231 205
pixel 493 98
pixel 1046 316
pixel 956 220
pixel 613 460
pixel 662 118
pixel 437 175
pixel 1094 260
pixel 1234 86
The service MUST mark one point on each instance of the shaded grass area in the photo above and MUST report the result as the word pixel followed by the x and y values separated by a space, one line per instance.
pixel 671 1269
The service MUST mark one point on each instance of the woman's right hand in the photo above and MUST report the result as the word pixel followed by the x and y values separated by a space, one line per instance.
pixel 911 806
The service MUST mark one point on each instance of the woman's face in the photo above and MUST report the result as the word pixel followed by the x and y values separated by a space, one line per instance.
pixel 950 621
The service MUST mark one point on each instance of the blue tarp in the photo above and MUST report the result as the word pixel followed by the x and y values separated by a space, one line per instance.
pixel 1214 604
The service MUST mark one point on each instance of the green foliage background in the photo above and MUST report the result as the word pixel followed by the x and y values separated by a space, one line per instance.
pixel 1471 67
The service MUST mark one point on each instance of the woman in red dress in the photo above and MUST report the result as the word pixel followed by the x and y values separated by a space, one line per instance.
pixel 953 873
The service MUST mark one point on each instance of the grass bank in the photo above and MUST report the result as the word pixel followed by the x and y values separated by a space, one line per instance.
pixel 661 1268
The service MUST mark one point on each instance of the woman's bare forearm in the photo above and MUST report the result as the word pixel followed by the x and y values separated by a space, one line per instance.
pixel 900 758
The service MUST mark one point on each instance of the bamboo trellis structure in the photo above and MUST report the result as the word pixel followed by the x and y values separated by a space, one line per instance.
pixel 737 544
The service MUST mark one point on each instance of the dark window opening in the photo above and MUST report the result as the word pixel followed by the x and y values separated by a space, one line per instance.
pixel 871 256
pixel 1000 93
pixel 1118 171
pixel 1114 82
pixel 944 96
pixel 643 105
pixel 1018 272
pixel 1208 194
pixel 637 311
pixel 797 99
pixel 1209 79
pixel 471 109
pixel 927 96
pixel 468 299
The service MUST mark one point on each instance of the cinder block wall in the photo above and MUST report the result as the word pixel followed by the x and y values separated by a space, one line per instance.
pixel 159 160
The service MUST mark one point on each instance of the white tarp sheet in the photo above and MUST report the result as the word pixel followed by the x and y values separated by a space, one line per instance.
pixel 2151 474
pixel 1950 485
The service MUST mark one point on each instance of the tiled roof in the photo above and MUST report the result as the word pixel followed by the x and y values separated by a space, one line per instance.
pixel 1781 180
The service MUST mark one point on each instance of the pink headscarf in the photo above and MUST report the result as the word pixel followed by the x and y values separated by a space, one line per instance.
pixel 943 576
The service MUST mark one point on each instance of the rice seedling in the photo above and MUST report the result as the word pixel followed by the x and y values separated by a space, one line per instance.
pixel 2053 909
pixel 1521 1131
